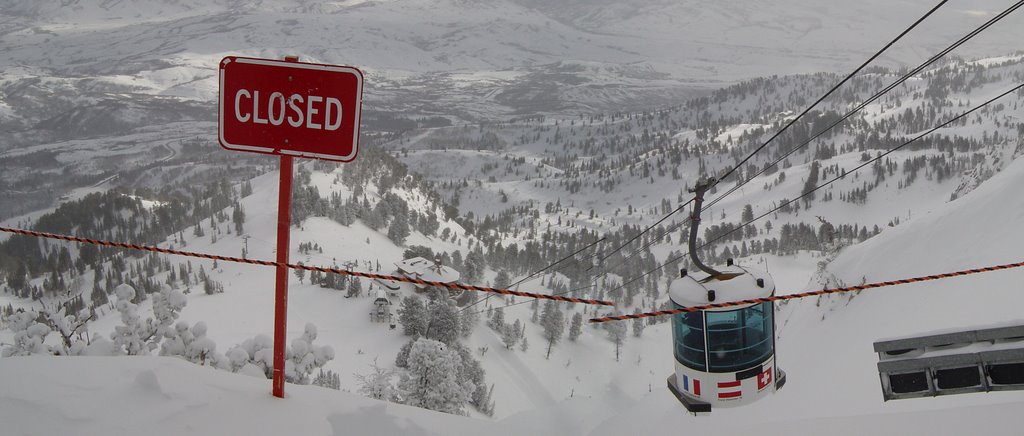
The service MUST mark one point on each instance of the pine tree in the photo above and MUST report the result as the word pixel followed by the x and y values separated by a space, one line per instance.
pixel 399 229
pixel 432 380
pixel 468 321
pixel 617 334
pixel 402 359
pixel 444 322
pixel 238 217
pixel 553 322
pixel 300 273
pixel 413 316
pixel 497 321
pixel 576 327
pixel 509 336
pixel 638 326
pixel 502 280
pixel 327 379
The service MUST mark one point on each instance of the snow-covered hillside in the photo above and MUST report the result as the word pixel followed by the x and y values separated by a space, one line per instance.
pixel 824 346
pixel 499 137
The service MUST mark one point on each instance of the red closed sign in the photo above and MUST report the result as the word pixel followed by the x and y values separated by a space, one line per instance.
pixel 290 108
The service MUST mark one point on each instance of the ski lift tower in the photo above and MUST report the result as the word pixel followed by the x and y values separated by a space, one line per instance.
pixel 724 357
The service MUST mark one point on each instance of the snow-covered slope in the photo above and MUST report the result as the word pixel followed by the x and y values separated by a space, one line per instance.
pixel 825 347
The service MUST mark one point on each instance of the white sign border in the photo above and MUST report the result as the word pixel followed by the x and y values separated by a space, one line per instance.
pixel 295 65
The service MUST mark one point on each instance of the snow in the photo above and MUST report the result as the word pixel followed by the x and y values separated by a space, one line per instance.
pixel 733 134
pixel 689 291
pixel 168 396
pixel 824 345
pixel 420 268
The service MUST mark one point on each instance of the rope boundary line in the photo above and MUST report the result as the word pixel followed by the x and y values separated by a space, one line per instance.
pixel 344 272
pixel 809 294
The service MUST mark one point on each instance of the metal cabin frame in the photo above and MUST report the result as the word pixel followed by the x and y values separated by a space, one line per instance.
pixel 928 366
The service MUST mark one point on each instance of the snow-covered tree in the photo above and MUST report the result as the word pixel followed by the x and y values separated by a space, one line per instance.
pixel 327 379
pixel 497 321
pixel 70 328
pixel 553 322
pixel 136 336
pixel 617 334
pixel 638 326
pixel 254 355
pixel 509 336
pixel 468 320
pixel 444 322
pixel 29 335
pixel 192 345
pixel 432 380
pixel 413 316
pixel 302 358
pixel 472 370
pixel 402 359
pixel 399 229
pixel 576 327
pixel 502 280
pixel 377 383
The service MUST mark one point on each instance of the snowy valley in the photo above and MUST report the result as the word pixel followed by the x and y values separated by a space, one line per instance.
pixel 491 159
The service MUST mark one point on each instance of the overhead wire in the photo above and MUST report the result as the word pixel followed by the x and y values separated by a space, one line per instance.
pixel 344 272
pixel 833 89
pixel 850 113
pixel 763 145
pixel 538 272
pixel 816 188
pixel 808 294
pixel 755 151
pixel 865 103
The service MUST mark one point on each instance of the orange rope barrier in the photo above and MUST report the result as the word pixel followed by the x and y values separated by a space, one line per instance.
pixel 807 294
pixel 304 267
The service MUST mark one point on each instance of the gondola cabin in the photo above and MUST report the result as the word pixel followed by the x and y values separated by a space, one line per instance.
pixel 724 357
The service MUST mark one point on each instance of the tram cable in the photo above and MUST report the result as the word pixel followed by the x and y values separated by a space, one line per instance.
pixel 865 103
pixel 810 293
pixel 767 142
pixel 344 272
pixel 540 271
pixel 855 169
pixel 817 135
pixel 830 91
pixel 779 207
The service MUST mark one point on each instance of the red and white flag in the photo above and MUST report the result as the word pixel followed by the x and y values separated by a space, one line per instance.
pixel 764 379
pixel 730 389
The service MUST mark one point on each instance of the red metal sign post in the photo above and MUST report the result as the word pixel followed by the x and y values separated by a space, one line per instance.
pixel 288 109
pixel 284 216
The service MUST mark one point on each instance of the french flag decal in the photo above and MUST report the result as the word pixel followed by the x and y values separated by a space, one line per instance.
pixel 730 389
pixel 696 385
